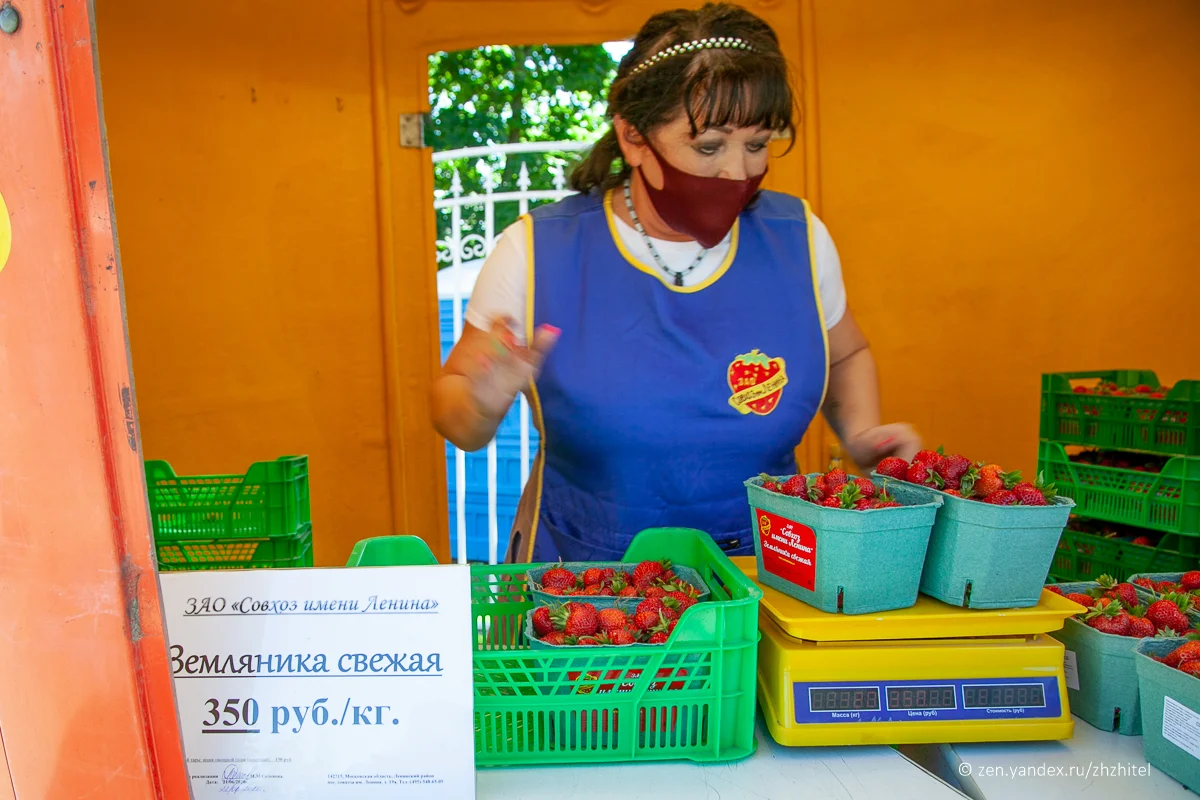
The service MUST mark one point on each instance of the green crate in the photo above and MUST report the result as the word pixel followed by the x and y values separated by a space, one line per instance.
pixel 270 499
pixel 1085 556
pixel 1168 426
pixel 1168 501
pixel 692 698
pixel 257 520
pixel 1171 696
pixel 276 552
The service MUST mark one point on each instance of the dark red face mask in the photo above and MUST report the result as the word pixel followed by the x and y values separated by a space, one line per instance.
pixel 700 207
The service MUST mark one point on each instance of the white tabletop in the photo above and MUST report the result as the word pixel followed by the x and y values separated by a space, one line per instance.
pixel 772 773
pixel 1092 762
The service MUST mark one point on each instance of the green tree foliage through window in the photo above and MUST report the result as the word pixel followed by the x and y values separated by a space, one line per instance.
pixel 505 94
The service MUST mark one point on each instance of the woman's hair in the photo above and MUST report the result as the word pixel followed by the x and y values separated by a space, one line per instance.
pixel 714 87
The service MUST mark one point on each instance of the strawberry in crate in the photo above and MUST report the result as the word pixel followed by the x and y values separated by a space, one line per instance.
pixel 580 624
pixel 645 579
pixel 958 476
pixel 834 489
pixel 1115 607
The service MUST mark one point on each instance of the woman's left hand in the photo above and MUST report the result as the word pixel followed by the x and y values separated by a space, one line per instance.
pixel 871 446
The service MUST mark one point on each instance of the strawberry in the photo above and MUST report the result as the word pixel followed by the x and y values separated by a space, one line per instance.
pixel 577 619
pixel 927 457
pixel 620 636
pixel 1140 627
pixel 1144 541
pixel 648 570
pixel 865 487
pixel 609 573
pixel 655 591
pixel 1055 589
pixel 556 638
pixel 952 468
pixel 587 641
pixel 628 591
pixel 795 486
pixel 1162 587
pixel 992 478
pixel 542 623
pixel 1001 498
pixel 864 505
pixel 1190 581
pixel 769 483
pixel 1108 619
pixel 1188 651
pixel 918 472
pixel 1191 668
pixel 1122 591
pixel 953 492
pixel 610 618
pixel 1145 583
pixel 893 467
pixel 648 614
pixel 659 638
pixel 835 479
pixel 1082 599
pixel 682 600
pixel 1168 613
pixel 593 576
pixel 593 590
pixel 559 578
pixel 831 502
pixel 889 504
pixel 554 590
pixel 1028 495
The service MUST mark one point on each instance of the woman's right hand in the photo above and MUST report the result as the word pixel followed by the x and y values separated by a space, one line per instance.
pixel 506 367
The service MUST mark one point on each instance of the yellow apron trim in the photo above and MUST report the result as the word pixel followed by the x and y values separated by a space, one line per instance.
pixel 535 401
pixel 658 273
pixel 816 281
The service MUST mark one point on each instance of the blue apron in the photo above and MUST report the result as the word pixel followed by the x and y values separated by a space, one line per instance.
pixel 659 401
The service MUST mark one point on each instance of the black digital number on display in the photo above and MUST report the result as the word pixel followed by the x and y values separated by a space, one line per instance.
pixel 865 699
pixel 903 698
pixel 1015 695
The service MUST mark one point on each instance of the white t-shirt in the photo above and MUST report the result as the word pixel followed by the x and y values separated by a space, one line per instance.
pixel 501 287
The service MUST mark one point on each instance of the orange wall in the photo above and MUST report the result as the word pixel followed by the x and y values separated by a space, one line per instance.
pixel 243 172
pixel 1011 186
pixel 1013 189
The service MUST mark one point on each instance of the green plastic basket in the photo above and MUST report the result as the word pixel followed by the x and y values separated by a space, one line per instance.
pixel 1167 502
pixel 691 699
pixel 1085 556
pixel 1107 697
pixel 387 551
pixel 1168 426
pixel 837 560
pixel 985 556
pixel 257 520
pixel 277 552
pixel 1166 692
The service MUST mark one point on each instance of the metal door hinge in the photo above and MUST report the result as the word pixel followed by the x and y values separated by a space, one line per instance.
pixel 412 130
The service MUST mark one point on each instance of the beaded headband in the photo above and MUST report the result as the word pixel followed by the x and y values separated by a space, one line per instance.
pixel 712 43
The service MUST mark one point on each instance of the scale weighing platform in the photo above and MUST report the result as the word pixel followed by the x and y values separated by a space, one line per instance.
pixel 930 674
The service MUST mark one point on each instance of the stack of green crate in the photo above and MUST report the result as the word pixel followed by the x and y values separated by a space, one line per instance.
pixel 259 519
pixel 1118 508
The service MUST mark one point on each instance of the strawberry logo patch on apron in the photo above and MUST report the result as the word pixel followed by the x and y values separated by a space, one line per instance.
pixel 757 382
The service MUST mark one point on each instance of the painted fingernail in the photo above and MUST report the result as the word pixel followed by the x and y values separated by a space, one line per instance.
pixel 551 329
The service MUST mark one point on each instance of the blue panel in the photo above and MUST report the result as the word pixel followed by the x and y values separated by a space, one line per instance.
pixel 927 700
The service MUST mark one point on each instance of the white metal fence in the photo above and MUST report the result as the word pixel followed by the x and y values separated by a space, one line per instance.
pixel 469 238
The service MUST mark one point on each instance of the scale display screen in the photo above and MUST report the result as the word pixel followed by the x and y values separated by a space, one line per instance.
pixel 834 699
pixel 931 700
pixel 1014 695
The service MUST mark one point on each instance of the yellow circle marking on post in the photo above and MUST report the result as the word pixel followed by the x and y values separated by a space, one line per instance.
pixel 5 234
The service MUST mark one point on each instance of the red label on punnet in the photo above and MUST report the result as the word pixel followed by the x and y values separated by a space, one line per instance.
pixel 789 549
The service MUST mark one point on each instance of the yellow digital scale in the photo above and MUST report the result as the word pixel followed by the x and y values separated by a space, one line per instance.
pixel 930 674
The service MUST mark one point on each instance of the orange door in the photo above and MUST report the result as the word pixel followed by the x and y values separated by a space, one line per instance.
pixel 86 704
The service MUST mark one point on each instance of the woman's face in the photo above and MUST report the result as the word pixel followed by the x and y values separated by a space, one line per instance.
pixel 733 153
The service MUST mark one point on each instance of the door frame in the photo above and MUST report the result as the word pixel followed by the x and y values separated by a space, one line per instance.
pixel 404 34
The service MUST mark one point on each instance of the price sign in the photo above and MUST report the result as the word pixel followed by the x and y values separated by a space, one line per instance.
pixel 347 683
